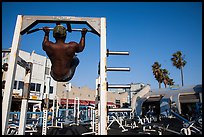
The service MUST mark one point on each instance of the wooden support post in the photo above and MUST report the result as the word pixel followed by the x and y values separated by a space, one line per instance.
pixel 7 98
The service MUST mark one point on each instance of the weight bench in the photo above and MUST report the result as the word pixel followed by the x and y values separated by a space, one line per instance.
pixel 120 124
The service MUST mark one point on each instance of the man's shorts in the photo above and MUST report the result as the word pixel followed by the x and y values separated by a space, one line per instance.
pixel 74 64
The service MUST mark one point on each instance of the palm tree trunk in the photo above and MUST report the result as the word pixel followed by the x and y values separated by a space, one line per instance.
pixel 182 75
pixel 165 83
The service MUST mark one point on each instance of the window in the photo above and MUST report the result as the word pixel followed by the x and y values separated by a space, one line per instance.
pixel 47 70
pixel 32 86
pixel 15 85
pixel 38 87
pixel 3 84
pixel 117 101
pixel 88 95
pixel 20 85
pixel 51 89
pixel 44 89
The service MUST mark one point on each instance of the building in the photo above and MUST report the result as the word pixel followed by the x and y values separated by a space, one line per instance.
pixel 41 68
pixel 182 100
pixel 87 96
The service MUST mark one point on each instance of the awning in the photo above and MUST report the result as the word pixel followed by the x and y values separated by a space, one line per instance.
pixel 153 99
pixel 82 102
pixel 189 98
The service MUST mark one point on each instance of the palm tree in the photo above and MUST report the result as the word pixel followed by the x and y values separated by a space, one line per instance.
pixel 157 71
pixel 179 62
pixel 166 79
pixel 170 82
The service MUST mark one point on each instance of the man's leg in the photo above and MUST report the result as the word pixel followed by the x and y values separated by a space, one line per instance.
pixel 74 64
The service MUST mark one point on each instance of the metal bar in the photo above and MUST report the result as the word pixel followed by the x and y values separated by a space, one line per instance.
pixel 53 110
pixel 78 103
pixel 119 109
pixel 119 86
pixel 24 104
pixel 68 89
pixel 7 97
pixel 46 106
pixel 117 53
pixel 81 30
pixel 37 29
pixel 179 117
pixel 118 69
pixel 172 131
pixel 30 21
pixel 57 109
pixel 96 105
pixel 103 83
pixel 22 63
pixel 6 50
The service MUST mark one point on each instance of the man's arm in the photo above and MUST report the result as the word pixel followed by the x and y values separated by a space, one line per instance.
pixel 46 41
pixel 81 45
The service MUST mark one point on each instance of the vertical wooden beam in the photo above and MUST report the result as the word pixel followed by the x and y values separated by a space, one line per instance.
pixel 103 81
pixel 24 104
pixel 10 77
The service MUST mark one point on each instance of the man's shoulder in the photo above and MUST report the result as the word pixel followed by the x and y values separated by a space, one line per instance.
pixel 48 43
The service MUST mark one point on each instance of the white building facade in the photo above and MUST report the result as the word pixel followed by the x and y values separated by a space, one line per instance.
pixel 41 69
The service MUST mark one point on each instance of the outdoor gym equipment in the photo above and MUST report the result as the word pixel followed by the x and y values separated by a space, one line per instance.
pixel 116 118
pixel 23 25
pixel 188 125
pixel 46 105
pixel 12 129
pixel 161 128
pixel 189 129
pixel 69 29
pixel 31 124
pixel 76 112
pixel 37 29
pixel 120 116
pixel 92 114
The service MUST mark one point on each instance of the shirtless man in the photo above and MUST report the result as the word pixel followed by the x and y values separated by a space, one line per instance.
pixel 61 54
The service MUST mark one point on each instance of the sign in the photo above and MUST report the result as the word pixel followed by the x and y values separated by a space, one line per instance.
pixel 15 94
pixel 34 97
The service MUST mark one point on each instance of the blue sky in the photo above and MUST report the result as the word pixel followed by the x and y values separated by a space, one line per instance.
pixel 150 31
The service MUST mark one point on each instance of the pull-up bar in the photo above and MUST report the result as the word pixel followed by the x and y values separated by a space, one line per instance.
pixel 119 109
pixel 119 86
pixel 118 69
pixel 6 50
pixel 37 29
pixel 117 52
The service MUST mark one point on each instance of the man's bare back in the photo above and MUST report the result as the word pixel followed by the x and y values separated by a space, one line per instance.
pixel 62 55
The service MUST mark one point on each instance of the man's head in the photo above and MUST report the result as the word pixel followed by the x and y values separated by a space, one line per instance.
pixel 59 32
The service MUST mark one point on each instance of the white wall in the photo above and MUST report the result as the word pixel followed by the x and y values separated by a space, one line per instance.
pixel 38 73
